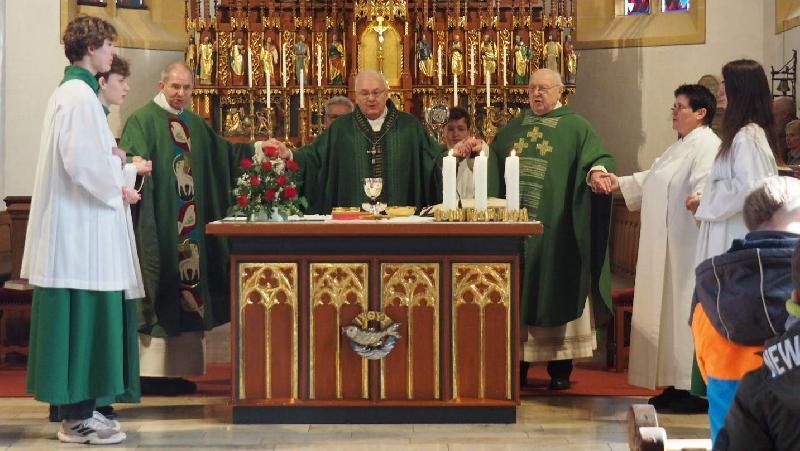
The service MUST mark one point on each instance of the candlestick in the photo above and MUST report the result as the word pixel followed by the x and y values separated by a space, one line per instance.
pixel 449 193
pixel 249 63
pixel 269 90
pixel 488 89
pixel 479 178
pixel 202 8
pixel 472 65
pixel 211 8
pixel 319 66
pixel 302 89
pixel 505 74
pixel 440 65
pixel 455 90
pixel 283 65
pixel 512 181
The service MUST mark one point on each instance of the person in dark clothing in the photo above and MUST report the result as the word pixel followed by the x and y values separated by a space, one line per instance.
pixel 740 295
pixel 765 413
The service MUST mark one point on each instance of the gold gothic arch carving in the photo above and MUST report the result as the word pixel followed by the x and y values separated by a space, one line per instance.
pixel 369 50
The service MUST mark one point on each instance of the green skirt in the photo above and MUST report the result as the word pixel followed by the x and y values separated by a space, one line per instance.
pixel 83 345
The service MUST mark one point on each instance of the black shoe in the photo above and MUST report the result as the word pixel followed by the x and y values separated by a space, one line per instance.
pixel 108 412
pixel 55 415
pixel 167 386
pixel 183 386
pixel 662 401
pixel 689 404
pixel 523 373
pixel 558 383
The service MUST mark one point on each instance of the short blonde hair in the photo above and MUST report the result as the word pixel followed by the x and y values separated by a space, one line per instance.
pixel 777 194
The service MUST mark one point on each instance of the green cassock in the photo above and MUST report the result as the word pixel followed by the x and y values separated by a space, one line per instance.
pixel 185 272
pixel 561 266
pixel 401 152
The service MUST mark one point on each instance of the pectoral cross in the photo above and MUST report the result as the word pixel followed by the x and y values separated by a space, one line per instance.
pixel 372 152
pixel 544 148
pixel 535 134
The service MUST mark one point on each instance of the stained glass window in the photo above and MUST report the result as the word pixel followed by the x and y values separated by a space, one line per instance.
pixel 637 7
pixel 138 4
pixel 669 6
pixel 92 2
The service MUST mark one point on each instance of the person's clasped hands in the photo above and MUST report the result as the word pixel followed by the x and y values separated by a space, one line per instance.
pixel 603 182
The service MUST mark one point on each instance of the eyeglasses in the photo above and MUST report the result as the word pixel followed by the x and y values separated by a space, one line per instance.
pixel 678 107
pixel 368 94
pixel 537 88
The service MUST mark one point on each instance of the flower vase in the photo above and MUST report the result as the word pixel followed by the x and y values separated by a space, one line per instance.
pixel 264 215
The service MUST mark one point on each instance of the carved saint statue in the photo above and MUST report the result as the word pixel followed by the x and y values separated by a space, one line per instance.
pixel 571 58
pixel 457 56
pixel 335 62
pixel 552 54
pixel 207 61
pixel 233 121
pixel 489 55
pixel 269 58
pixel 522 58
pixel 300 51
pixel 237 61
pixel 190 55
pixel 425 57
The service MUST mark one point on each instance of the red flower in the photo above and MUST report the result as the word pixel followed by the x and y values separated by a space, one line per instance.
pixel 242 201
pixel 281 180
pixel 255 180
pixel 269 195
pixel 292 165
pixel 289 192
pixel 271 151
pixel 246 164
pixel 267 166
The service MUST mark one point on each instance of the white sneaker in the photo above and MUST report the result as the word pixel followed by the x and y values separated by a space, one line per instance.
pixel 90 431
pixel 114 424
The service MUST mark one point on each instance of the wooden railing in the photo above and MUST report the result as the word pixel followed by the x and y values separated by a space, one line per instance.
pixel 624 239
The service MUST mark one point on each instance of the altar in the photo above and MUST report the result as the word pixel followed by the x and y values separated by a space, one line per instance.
pixel 449 292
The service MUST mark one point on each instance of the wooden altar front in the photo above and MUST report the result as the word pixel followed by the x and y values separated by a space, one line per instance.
pixel 453 287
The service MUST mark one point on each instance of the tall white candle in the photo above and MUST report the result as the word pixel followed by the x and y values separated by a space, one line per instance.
pixel 479 178
pixel 319 65
pixel 302 89
pixel 455 90
pixel 202 8
pixel 249 64
pixel 472 65
pixel 449 196
pixel 488 89
pixel 512 181
pixel 211 8
pixel 505 74
pixel 269 91
pixel 283 65
pixel 441 73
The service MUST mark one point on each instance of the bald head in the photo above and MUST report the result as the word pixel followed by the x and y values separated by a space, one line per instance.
pixel 177 82
pixel 553 77
pixel 544 91
pixel 784 109
pixel 370 74
pixel 372 92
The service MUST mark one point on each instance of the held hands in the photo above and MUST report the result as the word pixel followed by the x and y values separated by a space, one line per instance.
pixel 143 167
pixel 283 151
pixel 130 196
pixel 468 147
pixel 120 154
pixel 603 182
pixel 693 201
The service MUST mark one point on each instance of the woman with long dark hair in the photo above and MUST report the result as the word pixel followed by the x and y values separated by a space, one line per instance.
pixel 745 158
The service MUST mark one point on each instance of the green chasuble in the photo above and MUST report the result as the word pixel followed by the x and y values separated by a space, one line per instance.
pixel 185 272
pixel 556 151
pixel 401 152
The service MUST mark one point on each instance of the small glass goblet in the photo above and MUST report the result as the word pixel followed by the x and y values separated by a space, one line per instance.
pixel 372 188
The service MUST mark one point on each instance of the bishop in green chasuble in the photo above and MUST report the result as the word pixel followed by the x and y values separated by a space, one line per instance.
pixel 185 272
pixel 557 150
pixel 375 140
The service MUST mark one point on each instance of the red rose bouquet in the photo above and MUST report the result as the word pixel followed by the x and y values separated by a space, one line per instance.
pixel 267 186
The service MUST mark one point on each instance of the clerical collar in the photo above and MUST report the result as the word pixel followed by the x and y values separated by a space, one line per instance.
pixel 161 100
pixel 376 124
pixel 73 72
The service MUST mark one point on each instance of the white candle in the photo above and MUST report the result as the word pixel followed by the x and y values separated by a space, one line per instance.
pixel 319 66
pixel 455 90
pixel 488 89
pixel 302 89
pixel 283 65
pixel 479 178
pixel 449 196
pixel 512 182
pixel 249 64
pixel 505 55
pixel 269 91
pixel 202 8
pixel 472 65
pixel 211 9
pixel 440 64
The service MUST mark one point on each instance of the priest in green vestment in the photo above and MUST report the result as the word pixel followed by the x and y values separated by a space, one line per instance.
pixel 375 140
pixel 185 271
pixel 561 160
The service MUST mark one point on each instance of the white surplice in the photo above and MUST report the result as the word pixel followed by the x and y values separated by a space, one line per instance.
pixel 79 233
pixel 732 178
pixel 661 341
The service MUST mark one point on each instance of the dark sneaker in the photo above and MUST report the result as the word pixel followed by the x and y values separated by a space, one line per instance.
pixel 560 383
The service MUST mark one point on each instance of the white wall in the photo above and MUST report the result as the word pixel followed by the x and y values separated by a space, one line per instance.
pixel 33 70
pixel 626 93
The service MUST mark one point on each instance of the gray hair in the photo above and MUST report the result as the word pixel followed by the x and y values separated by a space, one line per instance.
pixel 793 125
pixel 778 196
pixel 338 100
pixel 172 67
pixel 555 75
pixel 365 73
